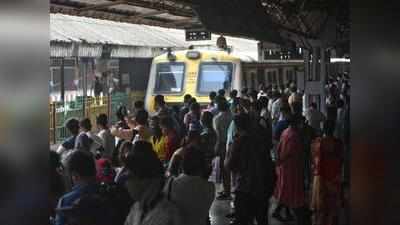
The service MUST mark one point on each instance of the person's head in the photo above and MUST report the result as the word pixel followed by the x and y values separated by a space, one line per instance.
pixel 329 127
pixel 121 113
pixel 187 98
pixel 263 102
pixel 233 94
pixel 195 107
pixel 166 124
pixel 194 162
pixel 212 96
pixel 81 166
pixel 146 173
pixel 139 105
pixel 221 92
pixel 242 122
pixel 72 126
pixel 96 78
pixel 192 101
pixel 159 101
pixel 85 125
pixel 123 152
pixel 293 89
pixel 102 121
pixel 141 117
pixel 244 92
pixel 206 119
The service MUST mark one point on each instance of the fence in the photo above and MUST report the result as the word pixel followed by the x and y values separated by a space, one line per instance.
pixel 90 108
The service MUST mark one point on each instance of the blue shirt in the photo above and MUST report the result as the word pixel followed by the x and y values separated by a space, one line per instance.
pixel 279 127
pixel 69 198
pixel 69 143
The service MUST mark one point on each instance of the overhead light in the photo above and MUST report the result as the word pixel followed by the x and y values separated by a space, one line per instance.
pixel 193 55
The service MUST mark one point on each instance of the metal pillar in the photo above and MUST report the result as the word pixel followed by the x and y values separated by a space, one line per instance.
pixel 62 81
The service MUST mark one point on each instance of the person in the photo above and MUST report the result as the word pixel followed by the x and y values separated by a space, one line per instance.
pixel 282 124
pixel 105 173
pixel 82 168
pixel 158 140
pixel 192 139
pixel 190 192
pixel 185 108
pixel 145 184
pixel 208 138
pixel 253 172
pixel 243 93
pixel 68 144
pixel 98 87
pixel 87 140
pixel 340 120
pixel 275 108
pixel 138 127
pixel 289 189
pixel 221 124
pixel 108 141
pixel 162 110
pixel 121 171
pixel 307 134
pixel 57 185
pixel 172 140
pixel 212 106
pixel 193 116
pixel 221 93
pixel 232 96
pixel 327 153
pixel 314 117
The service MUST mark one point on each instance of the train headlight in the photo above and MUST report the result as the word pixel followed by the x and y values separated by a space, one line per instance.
pixel 193 55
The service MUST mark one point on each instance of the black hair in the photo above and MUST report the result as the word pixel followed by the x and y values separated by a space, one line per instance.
pixel 159 99
pixel 244 91
pixel 187 98
pixel 192 100
pixel 212 95
pixel 195 107
pixel 102 120
pixel 233 93
pixel 193 161
pixel 121 112
pixel 221 92
pixel 82 163
pixel 141 117
pixel 73 126
pixel 138 104
pixel 85 124
pixel 143 162
pixel 263 102
pixel 293 89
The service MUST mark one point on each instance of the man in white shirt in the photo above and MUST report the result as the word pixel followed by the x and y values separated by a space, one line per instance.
pixel 108 140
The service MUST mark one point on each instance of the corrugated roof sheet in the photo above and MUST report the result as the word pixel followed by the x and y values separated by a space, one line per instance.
pixel 65 28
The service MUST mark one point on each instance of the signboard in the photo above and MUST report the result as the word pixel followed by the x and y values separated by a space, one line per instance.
pixel 197 35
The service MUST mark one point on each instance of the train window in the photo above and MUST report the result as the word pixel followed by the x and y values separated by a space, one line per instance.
pixel 169 78
pixel 214 76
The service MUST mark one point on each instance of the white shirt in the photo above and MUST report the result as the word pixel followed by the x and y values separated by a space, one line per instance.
pixel 193 196
pixel 276 109
pixel 315 118
pixel 108 142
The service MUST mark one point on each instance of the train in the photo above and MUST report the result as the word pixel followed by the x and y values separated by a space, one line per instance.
pixel 199 71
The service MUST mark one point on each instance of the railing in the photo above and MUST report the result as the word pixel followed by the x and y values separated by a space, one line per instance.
pixel 90 108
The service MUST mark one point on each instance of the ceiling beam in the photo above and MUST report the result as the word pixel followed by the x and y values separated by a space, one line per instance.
pixel 161 6
pixel 102 6
pixel 155 13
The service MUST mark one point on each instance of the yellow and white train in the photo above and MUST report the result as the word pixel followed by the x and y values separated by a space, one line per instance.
pixel 198 72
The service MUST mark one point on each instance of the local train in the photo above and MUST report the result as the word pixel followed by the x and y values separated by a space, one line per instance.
pixel 198 72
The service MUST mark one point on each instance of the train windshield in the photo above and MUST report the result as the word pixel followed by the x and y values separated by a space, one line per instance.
pixel 169 77
pixel 214 76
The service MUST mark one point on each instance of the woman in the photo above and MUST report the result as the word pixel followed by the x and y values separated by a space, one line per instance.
pixel 145 184
pixel 158 140
pixel 289 190
pixel 172 141
pixel 327 155
pixel 192 139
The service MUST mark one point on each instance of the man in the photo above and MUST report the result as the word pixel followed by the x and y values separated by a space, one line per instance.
pixel 314 117
pixel 108 140
pixel 212 107
pixel 64 149
pixel 98 87
pixel 82 168
pixel 162 110
pixel 221 124
pixel 87 140
pixel 254 175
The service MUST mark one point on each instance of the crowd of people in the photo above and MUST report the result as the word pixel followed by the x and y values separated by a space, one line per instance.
pixel 162 169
